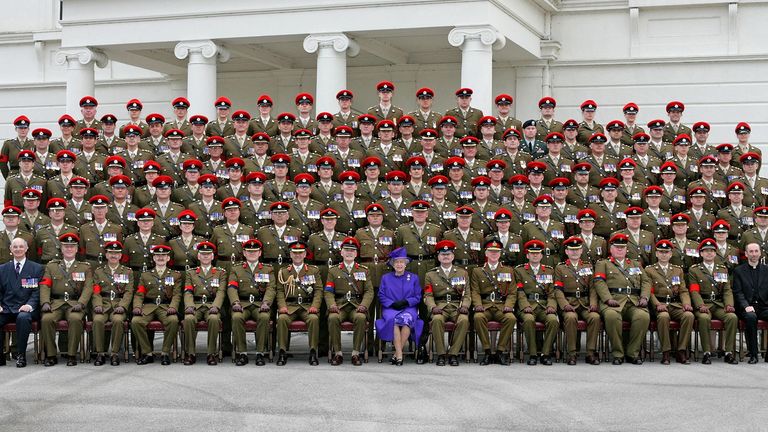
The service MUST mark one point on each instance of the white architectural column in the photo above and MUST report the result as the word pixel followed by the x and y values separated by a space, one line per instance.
pixel 201 73
pixel 332 50
pixel 477 44
pixel 80 75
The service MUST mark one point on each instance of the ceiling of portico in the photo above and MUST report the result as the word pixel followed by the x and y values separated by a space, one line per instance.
pixel 377 48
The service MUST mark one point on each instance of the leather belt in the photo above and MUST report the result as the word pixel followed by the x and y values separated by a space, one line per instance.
pixel 154 301
pixel 537 297
pixel 421 257
pixel 576 294
pixel 624 290
pixel 712 297
pixel 274 260
pixel 493 297
pixel 256 297
pixel 668 299
pixel 224 258
pixel 463 262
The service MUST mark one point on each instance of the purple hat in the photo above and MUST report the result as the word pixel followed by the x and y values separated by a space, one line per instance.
pixel 399 253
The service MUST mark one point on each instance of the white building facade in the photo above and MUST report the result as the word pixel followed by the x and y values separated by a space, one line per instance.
pixel 710 54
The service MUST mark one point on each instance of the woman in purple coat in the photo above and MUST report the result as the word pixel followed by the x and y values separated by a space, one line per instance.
pixel 400 295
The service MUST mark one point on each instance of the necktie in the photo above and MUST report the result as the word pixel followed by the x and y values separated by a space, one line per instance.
pixel 18 268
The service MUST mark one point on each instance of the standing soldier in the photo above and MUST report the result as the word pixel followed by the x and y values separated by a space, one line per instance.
pixel 325 190
pixel 25 178
pixel 396 211
pixel 467 116
pixel 229 237
pixel 345 117
pixel 135 157
pixel 623 288
pixel 222 125
pixel 419 239
pixel 371 189
pixel 189 190
pixel 504 121
pixel 595 247
pixel 670 300
pixel 203 299
pixel 194 144
pixel 112 295
pixel 384 109
pixel 9 154
pixel 96 234
pixel 138 246
pixel 184 247
pixel 65 292
pixel 157 297
pixel 631 128
pixel 277 237
pixel 686 252
pixel 340 156
pixel 551 233
pixel 712 298
pixel 536 302
pixel 264 122
pixel 547 124
pixel 425 117
pixel 134 107
pixel 573 279
pixel 251 291
pixel 610 213
pixel 325 245
pixel 255 211
pixel 120 211
pixel 468 242
pixel 447 297
pixel 299 296
pixel 348 295
pixel 167 222
pixel 88 106
pixel 12 230
pixel 180 109
pixel 494 295
pixel 207 208
pixel 57 185
pixel 47 237
pixel 90 164
pixel 675 128
pixel 67 141
pixel 350 208
pixel 305 211
pixel 511 242
pixel 641 242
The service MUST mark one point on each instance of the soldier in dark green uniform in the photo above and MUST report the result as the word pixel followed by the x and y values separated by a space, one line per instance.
pixel 546 230
pixel 95 234
pixel 325 244
pixel 547 123
pixel 712 298
pixel 345 116
pixel 24 179
pixel 424 117
pixel 503 120
pixel 65 292
pixel 277 237
pixel 670 300
pixel 113 286
pixel 157 297
pixel 299 296
pixel 494 294
pixel 384 109
pixel 204 294
pixel 447 297
pixel 595 247
pixel 305 211
pixel 47 237
pixel 536 302
pixel 468 242
pixel 229 237
pixel 631 128
pixel 138 246
pixel 222 125
pixel 573 280
pixel 512 243
pixel 466 115
pixel 9 154
pixel 348 296
pixel 351 209
pixel 674 127
pixel 251 291
pixel 624 289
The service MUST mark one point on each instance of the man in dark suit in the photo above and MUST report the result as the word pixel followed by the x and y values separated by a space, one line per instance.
pixel 750 292
pixel 19 296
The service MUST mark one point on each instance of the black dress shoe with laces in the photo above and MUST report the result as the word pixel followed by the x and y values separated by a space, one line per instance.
pixel 282 358
pixel 100 360
pixel 453 360
pixel 502 358
pixel 533 361
pixel 71 361
pixel 165 359
pixel 313 358
pixel 21 361
pixel 259 360
pixel 752 360
pixel 146 359
pixel 440 360
pixel 114 360
pixel 546 360
pixel 487 359
pixel 706 359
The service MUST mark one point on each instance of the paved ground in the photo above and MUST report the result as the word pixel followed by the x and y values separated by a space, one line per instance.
pixel 383 397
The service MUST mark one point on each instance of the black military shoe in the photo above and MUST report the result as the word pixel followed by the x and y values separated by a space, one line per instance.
pixel 282 358
pixel 487 358
pixel 189 360
pixel 100 360
pixel 313 358
pixel 165 359
pixel 546 360
pixel 502 358
pixel 730 358
pixel 259 359
pixel 752 360
pixel 71 361
pixel 618 361
pixel 146 359
pixel 572 360
pixel 453 360
pixel 440 360
pixel 50 361
pixel 241 360
pixel 533 360
pixel 212 360
pixel 21 361
pixel 114 360
pixel 706 359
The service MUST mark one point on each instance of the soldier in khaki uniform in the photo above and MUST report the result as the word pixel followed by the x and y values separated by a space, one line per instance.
pixel 466 115
pixel 204 294
pixel 631 128
pixel 686 252
pixel 503 120
pixel 166 211
pixel 255 211
pixel 396 209
pixel 325 244
pixel 264 121
pixel 670 300
pixel 180 109
pixel 251 291
pixel 563 212
pixel 699 220
pixel 467 242
pixel 384 109
pixel 90 164
pixel 494 294
pixel 345 116
pixel 610 213
pixel 97 233
pixel 157 297
pixel 576 300
pixel 546 230
pixel 727 253
pixel 305 211
pixel 447 297
pixel 47 237
pixel 348 296
pixel 424 117
pixel 194 144
pixel 595 247
pixel 207 208
pixel 277 237
pixel 674 127
pixel 31 218
pixel 512 243
pixel 758 234
pixel 65 292
pixel 229 237
pixel 624 289
pixel 138 246
pixel 24 179
pixel 67 141
pixel 641 242
pixel 222 125
pixel 299 294
pixel 11 220
pixel 582 193
pixel 536 302
pixel 112 296
pixel 655 219
pixel 351 209
pixel 9 154
pixel 712 298
pixel 547 124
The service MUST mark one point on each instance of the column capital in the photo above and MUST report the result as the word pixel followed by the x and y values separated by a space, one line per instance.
pixel 550 49
pixel 82 55
pixel 487 35
pixel 206 48
pixel 338 41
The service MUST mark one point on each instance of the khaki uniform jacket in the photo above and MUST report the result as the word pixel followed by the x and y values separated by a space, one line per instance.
pixel 348 286
pixel 161 291
pixel 167 224
pixel 229 245
pixel 325 252
pixel 467 124
pixel 351 160
pixel 113 289
pixel 542 130
pixel 586 131
pixel 300 290
pixel 644 249
pixel 9 154
pixel 407 235
pixel 326 197
pixel 573 285
pixel 608 221
pixel 350 221
pixel 306 219
pixel 394 113
pixel 493 288
pixel 47 242
pixel 61 286
pixel 709 288
pixel 257 125
pixel 138 253
pixel 275 246
pixel 205 290
pixel 450 291
pixel 468 251
pixel 92 242
pixel 535 290
pixel 207 220
pixel 255 215
pixel 668 288
pixel 374 192
pixel 126 221
pixel 631 280
pixel 251 287
pixel 15 184
pixel 184 256
pixel 422 121
pixel 395 215
pixel 670 134
pixel 214 128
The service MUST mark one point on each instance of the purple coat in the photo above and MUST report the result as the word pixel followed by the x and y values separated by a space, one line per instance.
pixel 392 289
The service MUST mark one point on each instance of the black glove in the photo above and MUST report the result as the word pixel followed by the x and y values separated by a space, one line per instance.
pixel 400 304
pixel 46 308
